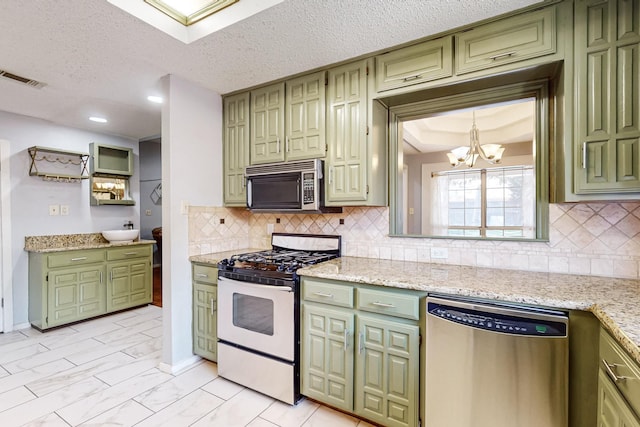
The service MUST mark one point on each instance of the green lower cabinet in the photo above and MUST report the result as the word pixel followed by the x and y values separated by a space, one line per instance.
pixel 387 368
pixel 205 330
pixel 364 364
pixel 129 283
pixel 613 411
pixel 327 355
pixel 75 294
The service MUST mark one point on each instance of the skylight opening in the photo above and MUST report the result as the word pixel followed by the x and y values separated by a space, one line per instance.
pixel 188 12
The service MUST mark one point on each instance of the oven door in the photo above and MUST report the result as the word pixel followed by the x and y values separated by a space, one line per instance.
pixel 257 317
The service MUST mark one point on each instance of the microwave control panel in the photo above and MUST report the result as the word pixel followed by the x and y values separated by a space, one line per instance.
pixel 308 188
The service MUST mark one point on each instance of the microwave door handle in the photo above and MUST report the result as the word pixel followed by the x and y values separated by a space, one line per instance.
pixel 249 199
pixel 299 194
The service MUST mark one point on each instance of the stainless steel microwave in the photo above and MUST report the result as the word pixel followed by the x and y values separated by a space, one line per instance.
pixel 286 187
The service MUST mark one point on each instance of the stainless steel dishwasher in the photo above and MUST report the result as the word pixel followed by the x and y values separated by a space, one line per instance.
pixel 495 365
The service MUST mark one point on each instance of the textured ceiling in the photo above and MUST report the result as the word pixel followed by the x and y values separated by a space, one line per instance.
pixel 97 60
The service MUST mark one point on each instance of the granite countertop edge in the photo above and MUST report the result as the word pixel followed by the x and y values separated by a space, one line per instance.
pixel 87 246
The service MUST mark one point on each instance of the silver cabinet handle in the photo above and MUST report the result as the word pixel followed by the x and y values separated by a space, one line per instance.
pixel 111 275
pixel 101 277
pixel 286 144
pixel 383 304
pixel 609 367
pixel 330 174
pixel 584 155
pixel 82 258
pixel 278 146
pixel 212 309
pixel 346 337
pixel 323 295
pixel 502 55
pixel 131 253
pixel 407 79
pixel 202 275
pixel 360 339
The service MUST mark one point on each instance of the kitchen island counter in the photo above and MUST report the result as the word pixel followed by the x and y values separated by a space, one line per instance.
pixel 615 302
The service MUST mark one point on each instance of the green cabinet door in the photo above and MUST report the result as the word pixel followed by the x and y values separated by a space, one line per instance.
pixel 235 148
pixel 205 331
pixel 305 119
pixel 327 355
pixel 267 124
pixel 129 283
pixel 346 163
pixel 387 368
pixel 613 411
pixel 75 294
pixel 607 62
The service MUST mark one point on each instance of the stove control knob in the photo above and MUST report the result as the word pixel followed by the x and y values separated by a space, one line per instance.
pixel 280 268
pixel 231 263
pixel 224 261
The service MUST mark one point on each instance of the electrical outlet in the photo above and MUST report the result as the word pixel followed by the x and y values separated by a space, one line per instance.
pixel 54 210
pixel 184 207
pixel 64 209
pixel 411 211
pixel 439 253
pixel 147 212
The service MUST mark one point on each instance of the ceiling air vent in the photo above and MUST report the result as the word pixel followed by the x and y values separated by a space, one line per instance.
pixel 20 79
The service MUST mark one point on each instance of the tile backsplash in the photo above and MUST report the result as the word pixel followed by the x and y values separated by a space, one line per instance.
pixel 600 239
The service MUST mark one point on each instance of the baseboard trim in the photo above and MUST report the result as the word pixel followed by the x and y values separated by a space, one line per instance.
pixel 179 367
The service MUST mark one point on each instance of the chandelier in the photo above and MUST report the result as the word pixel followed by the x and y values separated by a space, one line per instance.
pixel 491 153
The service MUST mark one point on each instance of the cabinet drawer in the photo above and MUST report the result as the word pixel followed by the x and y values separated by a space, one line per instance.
pixel 391 303
pixel 327 293
pixel 620 365
pixel 205 274
pixel 129 252
pixel 510 40
pixel 423 62
pixel 67 259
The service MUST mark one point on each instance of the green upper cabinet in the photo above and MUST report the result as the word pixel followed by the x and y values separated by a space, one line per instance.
pixel 514 39
pixel 356 162
pixel 110 160
pixel 607 126
pixel 236 148
pixel 288 120
pixel 305 119
pixel 415 64
pixel 267 124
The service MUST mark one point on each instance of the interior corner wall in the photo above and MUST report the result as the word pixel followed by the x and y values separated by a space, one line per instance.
pixel 191 175
pixel 31 196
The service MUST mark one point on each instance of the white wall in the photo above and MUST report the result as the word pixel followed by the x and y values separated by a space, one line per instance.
pixel 191 175
pixel 31 196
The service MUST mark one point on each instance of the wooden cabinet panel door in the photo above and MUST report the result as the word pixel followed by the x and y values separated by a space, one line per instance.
pixel 612 409
pixel 327 352
pixel 75 294
pixel 347 133
pixel 267 124
pixel 607 40
pixel 205 331
pixel 236 148
pixel 129 284
pixel 305 121
pixel 387 367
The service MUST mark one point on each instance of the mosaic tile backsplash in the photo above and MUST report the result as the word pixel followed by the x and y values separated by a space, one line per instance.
pixel 600 239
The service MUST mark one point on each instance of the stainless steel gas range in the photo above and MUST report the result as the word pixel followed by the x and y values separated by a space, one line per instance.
pixel 259 310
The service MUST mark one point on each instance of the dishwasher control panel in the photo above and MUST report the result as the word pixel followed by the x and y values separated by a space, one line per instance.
pixel 504 323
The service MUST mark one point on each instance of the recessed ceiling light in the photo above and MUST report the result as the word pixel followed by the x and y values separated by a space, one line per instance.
pixel 156 99
pixel 98 119
pixel 188 12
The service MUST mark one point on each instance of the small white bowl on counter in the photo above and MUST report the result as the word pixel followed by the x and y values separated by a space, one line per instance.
pixel 120 236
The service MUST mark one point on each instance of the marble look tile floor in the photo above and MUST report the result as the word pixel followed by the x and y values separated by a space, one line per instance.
pixel 105 372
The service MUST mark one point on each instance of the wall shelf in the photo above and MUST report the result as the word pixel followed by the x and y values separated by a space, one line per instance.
pixel 53 164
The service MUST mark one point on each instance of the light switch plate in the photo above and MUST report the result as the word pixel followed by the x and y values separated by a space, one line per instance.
pixel 54 210
pixel 64 209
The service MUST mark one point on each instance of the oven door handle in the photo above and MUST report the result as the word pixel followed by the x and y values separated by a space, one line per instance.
pixel 256 285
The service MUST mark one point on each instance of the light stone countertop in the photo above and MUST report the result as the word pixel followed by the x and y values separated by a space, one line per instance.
pixel 615 302
pixel 70 242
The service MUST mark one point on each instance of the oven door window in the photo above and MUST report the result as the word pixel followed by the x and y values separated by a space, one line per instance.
pixel 281 191
pixel 253 313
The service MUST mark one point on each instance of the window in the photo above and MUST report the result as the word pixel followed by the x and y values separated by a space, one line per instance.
pixel 494 202
pixel 189 12
pixel 483 200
